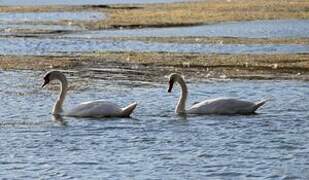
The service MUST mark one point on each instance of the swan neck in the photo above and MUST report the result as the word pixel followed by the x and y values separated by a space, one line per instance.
pixel 63 90
pixel 181 105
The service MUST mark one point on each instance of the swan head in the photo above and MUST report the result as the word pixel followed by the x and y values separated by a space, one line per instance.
pixel 52 75
pixel 172 78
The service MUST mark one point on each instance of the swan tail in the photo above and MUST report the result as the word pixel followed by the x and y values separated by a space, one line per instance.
pixel 128 110
pixel 259 104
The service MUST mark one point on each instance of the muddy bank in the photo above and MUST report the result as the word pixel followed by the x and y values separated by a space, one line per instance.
pixel 179 14
pixel 152 66
pixel 45 31
pixel 213 40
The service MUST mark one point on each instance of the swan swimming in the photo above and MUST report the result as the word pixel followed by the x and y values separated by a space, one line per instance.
pixel 98 108
pixel 211 106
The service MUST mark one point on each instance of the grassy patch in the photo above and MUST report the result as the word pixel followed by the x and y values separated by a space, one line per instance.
pixel 214 65
pixel 271 62
pixel 39 62
pixel 207 12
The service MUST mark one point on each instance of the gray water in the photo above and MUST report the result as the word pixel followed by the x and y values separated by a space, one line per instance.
pixel 47 46
pixel 245 29
pixel 12 27
pixel 154 143
pixel 12 22
pixel 79 2
pixel 50 16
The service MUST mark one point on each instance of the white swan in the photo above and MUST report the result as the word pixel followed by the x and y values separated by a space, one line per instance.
pixel 97 108
pixel 211 106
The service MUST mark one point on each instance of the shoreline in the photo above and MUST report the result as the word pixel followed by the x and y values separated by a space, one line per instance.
pixel 238 66
pixel 221 66
pixel 176 14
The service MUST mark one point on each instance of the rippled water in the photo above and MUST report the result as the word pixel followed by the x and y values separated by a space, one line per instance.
pixel 246 29
pixel 154 143
pixel 49 16
pixel 46 46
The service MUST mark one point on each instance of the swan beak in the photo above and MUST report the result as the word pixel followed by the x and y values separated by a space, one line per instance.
pixel 171 86
pixel 45 82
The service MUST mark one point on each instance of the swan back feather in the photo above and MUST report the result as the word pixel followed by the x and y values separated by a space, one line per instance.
pixel 225 106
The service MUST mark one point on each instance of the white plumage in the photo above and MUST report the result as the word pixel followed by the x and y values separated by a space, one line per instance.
pixel 98 108
pixel 224 106
pixel 211 106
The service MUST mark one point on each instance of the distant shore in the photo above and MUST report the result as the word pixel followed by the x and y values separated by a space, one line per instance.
pixel 179 14
pixel 264 66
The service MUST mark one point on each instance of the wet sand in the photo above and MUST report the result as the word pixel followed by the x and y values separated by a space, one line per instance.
pixel 215 40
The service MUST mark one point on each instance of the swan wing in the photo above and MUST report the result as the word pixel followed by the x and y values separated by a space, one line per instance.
pixel 223 106
pixel 97 108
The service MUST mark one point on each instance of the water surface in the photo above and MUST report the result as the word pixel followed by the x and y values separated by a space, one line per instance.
pixel 155 143
pixel 49 16
pixel 7 28
pixel 47 46
pixel 245 29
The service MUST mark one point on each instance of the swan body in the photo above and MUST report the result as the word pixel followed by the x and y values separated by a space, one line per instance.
pixel 224 106
pixel 211 106
pixel 98 108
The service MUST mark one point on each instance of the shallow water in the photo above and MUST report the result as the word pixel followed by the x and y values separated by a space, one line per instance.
pixel 8 28
pixel 13 23
pixel 79 2
pixel 46 46
pixel 49 16
pixel 245 29
pixel 155 143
